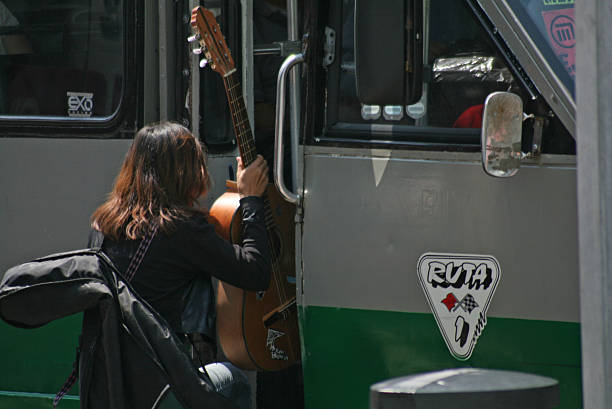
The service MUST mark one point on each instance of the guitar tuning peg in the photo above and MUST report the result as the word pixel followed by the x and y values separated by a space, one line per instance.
pixel 203 62
pixel 197 51
pixel 194 38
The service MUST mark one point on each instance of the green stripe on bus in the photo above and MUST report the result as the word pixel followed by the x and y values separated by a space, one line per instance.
pixel 347 350
pixel 17 400
pixel 38 360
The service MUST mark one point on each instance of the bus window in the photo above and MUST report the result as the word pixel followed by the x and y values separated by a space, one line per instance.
pixel 550 24
pixel 462 67
pixel 61 58
pixel 269 26
pixel 216 129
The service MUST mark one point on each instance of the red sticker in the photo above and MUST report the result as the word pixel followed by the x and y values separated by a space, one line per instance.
pixel 562 36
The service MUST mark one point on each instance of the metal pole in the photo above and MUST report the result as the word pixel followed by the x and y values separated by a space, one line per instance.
pixel 594 150
pixel 248 81
pixel 151 63
pixel 294 92
pixel 163 60
pixel 194 66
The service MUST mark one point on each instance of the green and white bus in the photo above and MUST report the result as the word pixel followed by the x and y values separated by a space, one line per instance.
pixel 411 256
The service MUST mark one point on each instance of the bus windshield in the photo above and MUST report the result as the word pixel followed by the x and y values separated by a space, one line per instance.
pixel 550 24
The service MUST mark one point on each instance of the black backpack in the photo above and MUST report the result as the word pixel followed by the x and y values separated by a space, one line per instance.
pixel 129 356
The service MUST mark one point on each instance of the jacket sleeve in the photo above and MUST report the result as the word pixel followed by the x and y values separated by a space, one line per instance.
pixel 247 265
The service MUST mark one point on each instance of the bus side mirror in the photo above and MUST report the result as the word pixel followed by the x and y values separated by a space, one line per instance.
pixel 389 51
pixel 502 122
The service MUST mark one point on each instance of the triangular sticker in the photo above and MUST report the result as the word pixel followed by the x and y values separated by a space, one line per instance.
pixel 380 159
pixel 459 288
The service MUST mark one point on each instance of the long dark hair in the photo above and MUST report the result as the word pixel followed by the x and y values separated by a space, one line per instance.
pixel 162 175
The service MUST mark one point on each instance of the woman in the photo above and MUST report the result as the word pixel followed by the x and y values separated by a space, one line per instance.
pixel 154 195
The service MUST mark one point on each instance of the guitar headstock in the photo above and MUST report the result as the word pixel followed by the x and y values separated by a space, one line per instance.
pixel 208 34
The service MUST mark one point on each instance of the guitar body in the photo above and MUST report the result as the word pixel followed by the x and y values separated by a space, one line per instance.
pixel 254 331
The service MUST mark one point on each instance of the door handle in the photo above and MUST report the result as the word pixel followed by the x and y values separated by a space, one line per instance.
pixel 290 62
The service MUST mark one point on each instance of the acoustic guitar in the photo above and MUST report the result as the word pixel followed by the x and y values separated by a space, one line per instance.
pixel 257 331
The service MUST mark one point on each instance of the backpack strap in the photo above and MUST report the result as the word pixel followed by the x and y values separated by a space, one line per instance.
pixel 71 378
pixel 140 253
pixel 96 239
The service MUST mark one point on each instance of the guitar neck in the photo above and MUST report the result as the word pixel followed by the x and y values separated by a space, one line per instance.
pixel 240 119
pixel 244 135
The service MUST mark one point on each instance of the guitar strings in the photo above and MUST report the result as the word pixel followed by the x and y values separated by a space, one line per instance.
pixel 245 146
pixel 247 152
pixel 237 106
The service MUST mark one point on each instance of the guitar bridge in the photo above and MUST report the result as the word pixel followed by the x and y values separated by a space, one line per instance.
pixel 281 312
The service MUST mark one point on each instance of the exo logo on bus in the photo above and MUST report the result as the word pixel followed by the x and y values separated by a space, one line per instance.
pixel 80 104
pixel 459 288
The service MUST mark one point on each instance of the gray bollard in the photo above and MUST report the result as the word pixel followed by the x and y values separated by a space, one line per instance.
pixel 466 388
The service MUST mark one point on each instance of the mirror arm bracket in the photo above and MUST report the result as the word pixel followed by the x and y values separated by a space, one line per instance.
pixel 536 143
pixel 538 127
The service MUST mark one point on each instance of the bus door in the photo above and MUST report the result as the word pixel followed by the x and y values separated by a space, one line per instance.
pixel 402 228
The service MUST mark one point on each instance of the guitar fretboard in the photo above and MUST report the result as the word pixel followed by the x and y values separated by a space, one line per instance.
pixel 240 119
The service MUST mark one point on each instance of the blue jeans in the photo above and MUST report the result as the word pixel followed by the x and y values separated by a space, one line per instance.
pixel 230 382
pixel 227 379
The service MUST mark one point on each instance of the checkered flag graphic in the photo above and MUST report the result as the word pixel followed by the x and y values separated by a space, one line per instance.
pixel 468 303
